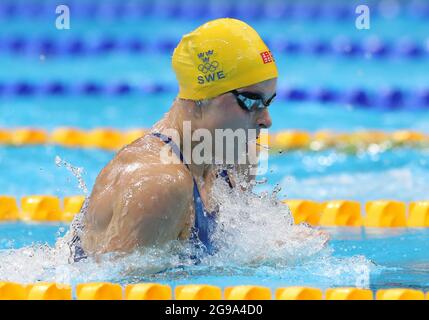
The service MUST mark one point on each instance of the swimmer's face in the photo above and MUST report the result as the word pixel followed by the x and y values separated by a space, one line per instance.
pixel 225 111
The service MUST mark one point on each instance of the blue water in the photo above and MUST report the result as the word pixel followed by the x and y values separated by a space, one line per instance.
pixel 400 257
pixel 401 174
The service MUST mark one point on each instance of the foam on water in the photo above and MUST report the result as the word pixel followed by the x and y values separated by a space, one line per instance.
pixel 256 238
pixel 257 228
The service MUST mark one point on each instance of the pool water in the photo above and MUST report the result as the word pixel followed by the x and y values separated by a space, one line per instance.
pixel 374 258
pixel 400 174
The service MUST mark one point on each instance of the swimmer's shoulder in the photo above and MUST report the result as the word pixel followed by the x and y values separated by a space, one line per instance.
pixel 154 192
pixel 148 154
pixel 140 164
pixel 147 147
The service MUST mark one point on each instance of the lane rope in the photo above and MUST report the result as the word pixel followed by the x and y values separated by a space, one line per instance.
pixel 389 98
pixel 332 213
pixel 340 46
pixel 284 10
pixel 158 291
pixel 285 140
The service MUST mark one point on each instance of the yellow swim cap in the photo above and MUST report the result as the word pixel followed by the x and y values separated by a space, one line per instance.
pixel 220 56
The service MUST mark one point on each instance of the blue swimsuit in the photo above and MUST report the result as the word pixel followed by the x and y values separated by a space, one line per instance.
pixel 205 221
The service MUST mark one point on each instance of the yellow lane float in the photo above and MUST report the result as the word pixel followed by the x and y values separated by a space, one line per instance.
pixel 12 291
pixel 197 292
pixel 344 213
pixel 298 293
pixel 5 136
pixel 68 137
pixel 72 206
pixel 400 294
pixel 247 293
pixel 385 213
pixel 291 139
pixel 40 208
pixel 418 214
pixel 148 291
pixel 113 139
pixel 49 291
pixel 99 291
pixel 29 136
pixel 333 213
pixel 8 208
pixel 155 291
pixel 104 138
pixel 304 211
pixel 349 294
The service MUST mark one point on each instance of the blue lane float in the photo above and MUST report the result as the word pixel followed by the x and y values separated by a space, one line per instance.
pixel 108 10
pixel 384 99
pixel 342 47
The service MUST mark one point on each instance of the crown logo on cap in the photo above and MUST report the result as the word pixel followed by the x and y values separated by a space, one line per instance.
pixel 205 56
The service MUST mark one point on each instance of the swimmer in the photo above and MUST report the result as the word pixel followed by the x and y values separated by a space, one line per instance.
pixel 227 78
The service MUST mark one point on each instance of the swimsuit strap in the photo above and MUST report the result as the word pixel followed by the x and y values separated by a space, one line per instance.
pixel 205 222
pixel 225 176
pixel 174 147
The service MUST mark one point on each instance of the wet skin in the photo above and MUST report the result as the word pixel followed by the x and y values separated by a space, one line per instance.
pixel 138 201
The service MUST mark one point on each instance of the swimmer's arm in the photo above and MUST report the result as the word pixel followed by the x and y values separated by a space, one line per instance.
pixel 147 216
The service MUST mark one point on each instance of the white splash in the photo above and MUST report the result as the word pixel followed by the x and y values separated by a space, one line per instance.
pixel 256 238
pixel 257 229
pixel 76 171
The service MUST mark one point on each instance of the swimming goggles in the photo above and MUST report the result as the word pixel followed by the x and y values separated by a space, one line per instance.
pixel 251 101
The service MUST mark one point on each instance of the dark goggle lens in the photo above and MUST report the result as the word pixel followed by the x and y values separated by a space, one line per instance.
pixel 251 101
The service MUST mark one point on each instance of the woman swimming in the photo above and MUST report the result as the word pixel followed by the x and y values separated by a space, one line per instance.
pixel 227 79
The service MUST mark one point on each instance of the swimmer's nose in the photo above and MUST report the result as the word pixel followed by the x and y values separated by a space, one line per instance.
pixel 264 119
